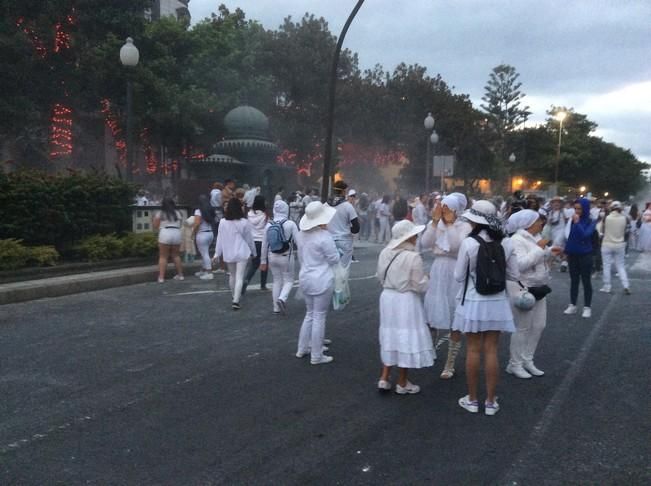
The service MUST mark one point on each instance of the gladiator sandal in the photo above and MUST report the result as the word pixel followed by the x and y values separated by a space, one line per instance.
pixel 453 350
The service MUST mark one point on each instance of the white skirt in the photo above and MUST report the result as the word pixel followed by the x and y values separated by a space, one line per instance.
pixel 644 237
pixel 441 296
pixel 405 340
pixel 480 314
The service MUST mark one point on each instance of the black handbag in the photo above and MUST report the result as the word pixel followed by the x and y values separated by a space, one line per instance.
pixel 540 292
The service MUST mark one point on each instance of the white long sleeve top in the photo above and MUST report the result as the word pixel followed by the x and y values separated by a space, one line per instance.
pixel 532 260
pixel 613 230
pixel 258 220
pixel 317 253
pixel 234 241
pixel 289 228
pixel 445 236
pixel 405 273
pixel 467 259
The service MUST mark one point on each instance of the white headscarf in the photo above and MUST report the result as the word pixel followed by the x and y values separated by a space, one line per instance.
pixel 456 201
pixel 281 210
pixel 523 219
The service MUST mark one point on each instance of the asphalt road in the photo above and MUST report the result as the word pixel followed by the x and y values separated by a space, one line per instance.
pixel 165 384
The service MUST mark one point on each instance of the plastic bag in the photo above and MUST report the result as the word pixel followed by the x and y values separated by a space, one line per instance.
pixel 341 294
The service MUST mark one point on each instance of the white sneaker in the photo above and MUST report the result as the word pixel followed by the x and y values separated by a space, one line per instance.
pixel 517 371
pixel 491 408
pixel 531 368
pixel 199 273
pixel 408 389
pixel 571 309
pixel 179 277
pixel 587 313
pixel 322 360
pixel 206 276
pixel 605 289
pixel 471 406
pixel 383 385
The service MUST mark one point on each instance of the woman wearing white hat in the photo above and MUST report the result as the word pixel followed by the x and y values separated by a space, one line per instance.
pixel 482 316
pixel 533 255
pixel 405 340
pixel 317 253
pixel 444 236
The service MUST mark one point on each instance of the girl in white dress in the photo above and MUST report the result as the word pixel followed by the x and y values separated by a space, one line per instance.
pixel 444 236
pixel 644 234
pixel 405 340
pixel 482 317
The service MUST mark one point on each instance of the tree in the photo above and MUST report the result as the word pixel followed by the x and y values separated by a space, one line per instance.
pixel 502 99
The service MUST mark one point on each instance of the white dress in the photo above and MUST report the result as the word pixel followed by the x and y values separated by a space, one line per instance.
pixel 644 234
pixel 405 340
pixel 480 313
pixel 441 296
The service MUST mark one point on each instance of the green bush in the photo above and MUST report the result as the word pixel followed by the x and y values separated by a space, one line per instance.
pixel 140 244
pixel 61 210
pixel 13 254
pixel 43 256
pixel 100 247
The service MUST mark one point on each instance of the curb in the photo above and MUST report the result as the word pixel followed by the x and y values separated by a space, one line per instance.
pixel 73 284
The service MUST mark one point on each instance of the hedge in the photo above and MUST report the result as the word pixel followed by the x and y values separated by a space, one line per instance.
pixel 13 255
pixel 61 210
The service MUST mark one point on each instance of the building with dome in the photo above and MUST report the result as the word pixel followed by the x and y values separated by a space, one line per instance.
pixel 246 154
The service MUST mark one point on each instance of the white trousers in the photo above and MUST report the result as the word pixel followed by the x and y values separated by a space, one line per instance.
pixel 282 271
pixel 313 328
pixel 204 239
pixel 236 278
pixel 385 230
pixel 345 247
pixel 610 254
pixel 529 326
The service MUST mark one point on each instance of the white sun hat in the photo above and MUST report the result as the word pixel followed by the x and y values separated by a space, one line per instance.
pixel 316 214
pixel 481 212
pixel 402 231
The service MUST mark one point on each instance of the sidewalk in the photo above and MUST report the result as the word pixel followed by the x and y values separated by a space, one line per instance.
pixel 14 292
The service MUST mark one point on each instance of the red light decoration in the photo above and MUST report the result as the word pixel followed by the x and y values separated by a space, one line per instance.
pixel 60 131
pixel 39 46
pixel 111 121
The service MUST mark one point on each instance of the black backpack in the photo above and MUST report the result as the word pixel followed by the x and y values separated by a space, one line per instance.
pixel 490 270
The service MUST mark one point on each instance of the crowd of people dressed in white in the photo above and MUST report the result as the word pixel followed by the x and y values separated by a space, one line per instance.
pixel 490 272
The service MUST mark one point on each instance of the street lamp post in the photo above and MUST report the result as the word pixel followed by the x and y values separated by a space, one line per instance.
pixel 327 154
pixel 512 159
pixel 428 123
pixel 129 57
pixel 560 116
pixel 434 139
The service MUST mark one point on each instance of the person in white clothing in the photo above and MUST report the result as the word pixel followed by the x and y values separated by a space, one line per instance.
pixel 383 216
pixel 644 233
pixel 280 262
pixel 613 246
pixel 168 223
pixel 443 237
pixel 344 223
pixel 533 256
pixel 419 212
pixel 556 220
pixel 482 317
pixel 204 217
pixel 317 254
pixel 235 247
pixel 257 216
pixel 405 340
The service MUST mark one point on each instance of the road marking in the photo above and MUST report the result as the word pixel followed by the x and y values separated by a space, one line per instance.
pixel 518 473
pixel 255 287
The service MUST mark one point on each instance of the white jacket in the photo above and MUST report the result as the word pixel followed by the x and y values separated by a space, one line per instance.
pixel 258 220
pixel 403 268
pixel 234 241
pixel 317 253
pixel 532 260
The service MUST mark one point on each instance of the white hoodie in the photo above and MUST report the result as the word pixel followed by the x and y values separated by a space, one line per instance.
pixel 258 220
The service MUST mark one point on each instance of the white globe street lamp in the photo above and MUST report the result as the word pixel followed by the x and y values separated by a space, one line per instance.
pixel 129 57
pixel 428 123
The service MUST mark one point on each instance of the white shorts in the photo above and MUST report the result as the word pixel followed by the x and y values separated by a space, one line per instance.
pixel 169 236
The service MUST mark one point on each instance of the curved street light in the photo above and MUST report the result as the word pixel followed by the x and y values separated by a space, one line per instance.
pixel 428 123
pixel 560 116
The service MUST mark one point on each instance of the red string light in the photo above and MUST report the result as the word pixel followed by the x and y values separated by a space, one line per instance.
pixel 60 131
pixel 111 121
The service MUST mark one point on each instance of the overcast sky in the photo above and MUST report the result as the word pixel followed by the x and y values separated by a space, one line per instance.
pixel 592 55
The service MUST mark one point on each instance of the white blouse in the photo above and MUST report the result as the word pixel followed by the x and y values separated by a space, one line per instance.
pixel 403 267
pixel 532 260
pixel 317 253
pixel 445 240
pixel 234 241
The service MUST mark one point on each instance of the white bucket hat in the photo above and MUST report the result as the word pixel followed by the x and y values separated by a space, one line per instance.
pixel 402 231
pixel 615 205
pixel 483 212
pixel 316 214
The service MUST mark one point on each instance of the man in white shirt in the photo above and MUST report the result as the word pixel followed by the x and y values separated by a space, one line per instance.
pixel 344 223
pixel 419 213
pixel 613 246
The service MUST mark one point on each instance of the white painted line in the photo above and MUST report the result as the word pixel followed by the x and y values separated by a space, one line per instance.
pixel 518 472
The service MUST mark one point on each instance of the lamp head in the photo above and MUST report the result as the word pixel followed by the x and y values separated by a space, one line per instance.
pixel 129 54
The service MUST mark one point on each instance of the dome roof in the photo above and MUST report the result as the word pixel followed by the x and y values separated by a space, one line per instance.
pixel 246 122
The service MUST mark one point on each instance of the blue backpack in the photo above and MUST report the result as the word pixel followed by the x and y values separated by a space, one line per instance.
pixel 276 237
